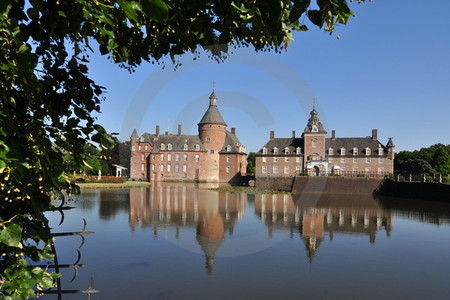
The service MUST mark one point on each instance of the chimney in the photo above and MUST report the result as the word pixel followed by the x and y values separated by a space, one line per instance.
pixel 333 134
pixel 272 134
pixel 179 130
pixel 233 130
pixel 157 130
pixel 374 134
pixel 293 134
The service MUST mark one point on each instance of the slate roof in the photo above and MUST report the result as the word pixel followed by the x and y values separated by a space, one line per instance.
pixel 212 114
pixel 357 142
pixel 177 142
pixel 134 134
pixel 233 141
pixel 390 143
pixel 314 120
pixel 281 144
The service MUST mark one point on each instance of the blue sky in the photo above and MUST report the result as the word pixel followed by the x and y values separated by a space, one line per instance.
pixel 390 70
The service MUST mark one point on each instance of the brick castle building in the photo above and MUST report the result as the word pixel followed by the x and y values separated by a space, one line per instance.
pixel 214 155
pixel 314 154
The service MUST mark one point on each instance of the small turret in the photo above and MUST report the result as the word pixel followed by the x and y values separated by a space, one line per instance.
pixel 391 149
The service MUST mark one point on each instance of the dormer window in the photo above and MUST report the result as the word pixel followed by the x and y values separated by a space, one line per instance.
pixel 330 151
pixel 169 146
pixel 163 147
pixel 298 150
pixel 314 143
pixel 197 147
pixel 264 150
pixel 275 150
pixel 368 151
pixel 142 139
pixel 228 148
pixel 355 151
pixel 380 151
pixel 286 150
pixel 185 147
pixel 342 151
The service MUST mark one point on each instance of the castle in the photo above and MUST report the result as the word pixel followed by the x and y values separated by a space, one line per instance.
pixel 315 155
pixel 214 155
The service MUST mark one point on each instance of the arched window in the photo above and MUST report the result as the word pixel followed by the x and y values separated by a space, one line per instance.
pixel 163 147
pixel 185 147
pixel 286 150
pixel 197 147
pixel 275 150
pixel 228 148
pixel 355 151
pixel 314 143
pixel 342 151
pixel 367 151
pixel 330 151
pixel 264 150
pixel 298 150
pixel 169 146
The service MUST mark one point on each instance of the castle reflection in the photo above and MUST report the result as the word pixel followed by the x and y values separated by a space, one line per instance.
pixel 314 215
pixel 184 205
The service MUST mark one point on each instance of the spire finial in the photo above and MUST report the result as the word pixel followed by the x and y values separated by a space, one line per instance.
pixel 214 85
pixel 314 102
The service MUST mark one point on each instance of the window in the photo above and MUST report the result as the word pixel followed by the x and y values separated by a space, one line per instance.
pixel 142 167
pixel 162 157
pixel 298 169
pixel 355 170
pixel 264 159
pixel 275 150
pixel 314 143
pixel 185 157
pixel 177 157
pixel 142 139
pixel 330 159
pixel 228 169
pixel 355 151
pixel 297 159
pixel 163 147
pixel 367 151
pixel 197 157
pixel 264 169
pixel 286 170
pixel 330 151
pixel 142 157
pixel 380 171
pixel 185 147
pixel 342 151
pixel 264 151
pixel 367 171
pixel 169 168
pixel 275 169
pixel 169 146
pixel 298 150
pixel 169 157
pixel 275 159
pixel 153 167
pixel 355 159
pixel 342 160
pixel 208 139
pixel 211 151
pixel 197 147
pixel 286 159
pixel 228 159
pixel 162 168
pixel 286 150
pixel 139 147
pixel 380 151
pixel 228 148
pixel 367 159
pixel 380 160
pixel 177 168
pixel 146 147
pixel 133 148
pixel 184 168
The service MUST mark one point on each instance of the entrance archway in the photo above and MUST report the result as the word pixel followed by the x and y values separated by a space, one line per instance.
pixel 316 171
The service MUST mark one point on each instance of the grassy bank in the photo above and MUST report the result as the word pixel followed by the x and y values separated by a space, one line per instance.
pixel 124 185
pixel 247 190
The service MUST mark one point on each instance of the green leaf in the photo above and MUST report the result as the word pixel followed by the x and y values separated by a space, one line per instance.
pixel 23 48
pixel 11 235
pixel 155 9
pixel 316 17
pixel 298 9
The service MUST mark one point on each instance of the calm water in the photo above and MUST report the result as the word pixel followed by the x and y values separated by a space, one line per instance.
pixel 181 241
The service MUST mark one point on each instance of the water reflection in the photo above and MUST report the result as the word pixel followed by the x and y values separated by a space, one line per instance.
pixel 178 205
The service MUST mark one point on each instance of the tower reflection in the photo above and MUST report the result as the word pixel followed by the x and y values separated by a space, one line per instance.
pixel 177 205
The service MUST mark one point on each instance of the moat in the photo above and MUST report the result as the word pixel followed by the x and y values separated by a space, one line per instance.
pixel 182 241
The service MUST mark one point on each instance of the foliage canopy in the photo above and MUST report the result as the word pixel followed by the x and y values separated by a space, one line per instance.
pixel 47 99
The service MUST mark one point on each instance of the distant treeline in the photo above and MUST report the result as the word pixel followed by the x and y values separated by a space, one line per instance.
pixel 430 160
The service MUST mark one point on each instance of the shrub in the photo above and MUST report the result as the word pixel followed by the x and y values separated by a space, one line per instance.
pixel 93 179
pixel 446 180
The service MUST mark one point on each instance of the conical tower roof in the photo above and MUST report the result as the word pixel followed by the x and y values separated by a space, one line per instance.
pixel 212 114
pixel 134 134
pixel 390 143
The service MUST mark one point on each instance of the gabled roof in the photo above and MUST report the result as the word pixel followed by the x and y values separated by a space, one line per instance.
pixel 212 114
pixel 281 144
pixel 233 141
